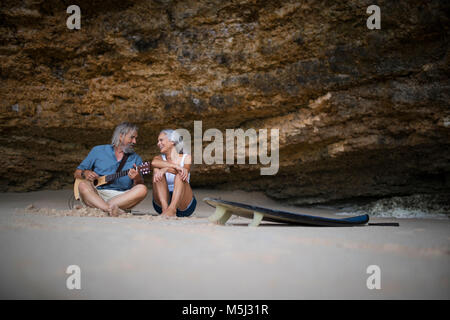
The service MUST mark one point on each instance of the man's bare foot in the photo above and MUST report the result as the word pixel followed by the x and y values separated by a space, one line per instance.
pixel 114 210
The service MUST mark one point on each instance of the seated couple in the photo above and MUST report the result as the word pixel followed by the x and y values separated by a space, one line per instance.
pixel 172 194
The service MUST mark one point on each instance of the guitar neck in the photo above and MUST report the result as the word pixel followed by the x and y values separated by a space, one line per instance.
pixel 117 175
pixel 143 169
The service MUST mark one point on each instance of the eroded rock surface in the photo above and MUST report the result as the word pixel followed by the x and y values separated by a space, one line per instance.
pixel 362 113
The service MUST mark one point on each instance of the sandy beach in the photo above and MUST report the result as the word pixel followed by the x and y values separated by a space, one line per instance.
pixel 146 257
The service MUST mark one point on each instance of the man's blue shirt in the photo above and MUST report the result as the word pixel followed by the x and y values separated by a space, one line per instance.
pixel 103 161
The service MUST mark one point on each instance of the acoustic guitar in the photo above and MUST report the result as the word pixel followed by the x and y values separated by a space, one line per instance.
pixel 143 169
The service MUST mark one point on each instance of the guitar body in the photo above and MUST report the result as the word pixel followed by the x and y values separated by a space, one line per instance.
pixel 97 182
pixel 143 169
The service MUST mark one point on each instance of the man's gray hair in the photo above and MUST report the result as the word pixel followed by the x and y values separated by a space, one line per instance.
pixel 123 128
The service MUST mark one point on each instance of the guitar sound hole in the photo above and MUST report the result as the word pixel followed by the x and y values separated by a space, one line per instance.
pixel 95 182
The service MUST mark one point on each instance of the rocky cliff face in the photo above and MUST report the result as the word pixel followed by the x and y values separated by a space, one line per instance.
pixel 362 113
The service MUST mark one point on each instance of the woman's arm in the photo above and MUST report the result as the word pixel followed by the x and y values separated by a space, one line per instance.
pixel 170 167
pixel 158 162
pixel 184 172
pixel 187 162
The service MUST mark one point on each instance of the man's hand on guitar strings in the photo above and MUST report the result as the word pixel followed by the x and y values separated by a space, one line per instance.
pixel 133 173
pixel 90 175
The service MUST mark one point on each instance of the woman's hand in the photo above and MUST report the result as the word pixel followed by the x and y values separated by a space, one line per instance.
pixel 158 174
pixel 183 172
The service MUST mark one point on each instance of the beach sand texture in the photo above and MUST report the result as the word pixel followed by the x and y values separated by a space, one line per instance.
pixel 148 257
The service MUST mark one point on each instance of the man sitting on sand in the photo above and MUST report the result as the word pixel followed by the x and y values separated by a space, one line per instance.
pixel 122 193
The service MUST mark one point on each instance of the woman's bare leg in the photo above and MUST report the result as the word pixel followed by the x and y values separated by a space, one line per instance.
pixel 161 193
pixel 181 197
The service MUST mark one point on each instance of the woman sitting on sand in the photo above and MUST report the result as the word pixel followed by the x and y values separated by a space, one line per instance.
pixel 172 194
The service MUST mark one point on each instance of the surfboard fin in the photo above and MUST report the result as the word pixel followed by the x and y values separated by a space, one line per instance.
pixel 257 218
pixel 221 215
